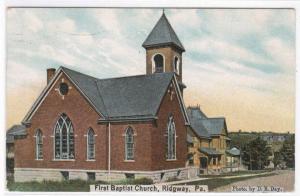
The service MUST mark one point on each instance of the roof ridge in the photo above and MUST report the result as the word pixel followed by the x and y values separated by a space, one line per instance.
pixel 120 77
pixel 141 75
pixel 78 72
pixel 212 118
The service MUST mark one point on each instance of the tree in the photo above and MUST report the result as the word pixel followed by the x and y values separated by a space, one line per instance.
pixel 288 152
pixel 256 153
pixel 278 159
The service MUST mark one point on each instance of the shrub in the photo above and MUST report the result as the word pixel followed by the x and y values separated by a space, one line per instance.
pixel 143 181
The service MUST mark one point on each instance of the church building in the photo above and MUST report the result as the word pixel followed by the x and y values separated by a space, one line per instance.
pixel 82 127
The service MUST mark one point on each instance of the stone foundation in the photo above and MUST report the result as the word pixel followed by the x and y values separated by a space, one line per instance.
pixel 40 174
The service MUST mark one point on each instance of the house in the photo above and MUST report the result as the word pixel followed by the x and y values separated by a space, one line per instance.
pixel 82 127
pixel 13 132
pixel 210 140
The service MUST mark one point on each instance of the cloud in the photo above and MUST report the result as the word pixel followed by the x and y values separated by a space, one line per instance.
pixel 238 63
pixel 280 52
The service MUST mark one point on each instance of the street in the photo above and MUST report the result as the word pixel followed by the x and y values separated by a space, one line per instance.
pixel 284 179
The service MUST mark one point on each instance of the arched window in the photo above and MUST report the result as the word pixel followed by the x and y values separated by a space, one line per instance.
pixel 90 144
pixel 38 145
pixel 171 138
pixel 64 138
pixel 176 64
pixel 129 144
pixel 159 63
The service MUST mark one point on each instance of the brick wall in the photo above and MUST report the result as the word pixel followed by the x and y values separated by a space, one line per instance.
pixel 159 146
pixel 169 54
pixel 82 116
pixel 150 146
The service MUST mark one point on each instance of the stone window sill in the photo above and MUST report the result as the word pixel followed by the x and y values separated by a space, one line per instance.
pixel 39 159
pixel 171 160
pixel 63 159
pixel 90 160
pixel 129 160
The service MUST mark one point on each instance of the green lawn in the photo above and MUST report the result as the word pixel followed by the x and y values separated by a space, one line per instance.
pixel 216 182
pixel 65 186
pixel 236 173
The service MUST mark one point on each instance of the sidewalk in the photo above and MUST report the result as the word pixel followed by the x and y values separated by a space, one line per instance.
pixel 200 179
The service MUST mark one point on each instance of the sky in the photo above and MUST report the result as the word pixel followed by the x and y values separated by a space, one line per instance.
pixel 239 63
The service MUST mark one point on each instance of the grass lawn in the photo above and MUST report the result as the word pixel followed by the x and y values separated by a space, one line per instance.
pixel 236 173
pixel 66 185
pixel 218 182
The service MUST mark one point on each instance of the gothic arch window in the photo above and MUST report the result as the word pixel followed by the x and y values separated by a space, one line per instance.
pixel 90 144
pixel 171 139
pixel 38 144
pixel 64 138
pixel 176 64
pixel 129 144
pixel 158 63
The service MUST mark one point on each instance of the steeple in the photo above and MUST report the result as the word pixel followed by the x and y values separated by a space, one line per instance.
pixel 164 50
pixel 163 35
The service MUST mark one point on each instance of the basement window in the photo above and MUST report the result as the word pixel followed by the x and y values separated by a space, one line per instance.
pixel 129 176
pixel 91 176
pixel 162 175
pixel 65 175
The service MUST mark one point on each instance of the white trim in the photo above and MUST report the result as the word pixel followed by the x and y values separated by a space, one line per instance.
pixel 182 105
pixel 153 63
pixel 37 149
pixel 109 150
pixel 46 91
pixel 178 65
pixel 171 159
pixel 63 159
pixel 87 144
pixel 125 144
pixel 68 127
pixel 129 160
pixel 171 122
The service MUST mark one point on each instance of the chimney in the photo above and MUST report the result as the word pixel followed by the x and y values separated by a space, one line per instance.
pixel 50 74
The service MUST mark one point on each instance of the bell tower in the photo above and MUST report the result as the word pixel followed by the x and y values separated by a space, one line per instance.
pixel 164 50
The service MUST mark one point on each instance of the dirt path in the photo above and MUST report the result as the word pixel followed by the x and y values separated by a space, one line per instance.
pixel 284 179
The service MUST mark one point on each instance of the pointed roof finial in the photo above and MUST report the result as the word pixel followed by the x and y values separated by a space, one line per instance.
pixel 163 10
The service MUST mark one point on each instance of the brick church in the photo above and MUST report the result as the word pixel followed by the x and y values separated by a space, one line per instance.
pixel 108 129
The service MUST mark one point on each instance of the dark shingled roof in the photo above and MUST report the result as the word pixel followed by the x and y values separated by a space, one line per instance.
pixel 15 130
pixel 162 34
pixel 213 125
pixel 133 96
pixel 204 126
pixel 209 151
pixel 196 112
pixel 197 126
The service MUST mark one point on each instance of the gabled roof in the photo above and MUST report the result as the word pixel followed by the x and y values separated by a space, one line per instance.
pixel 15 130
pixel 133 97
pixel 214 125
pixel 204 126
pixel 162 34
pixel 197 126
pixel 196 112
